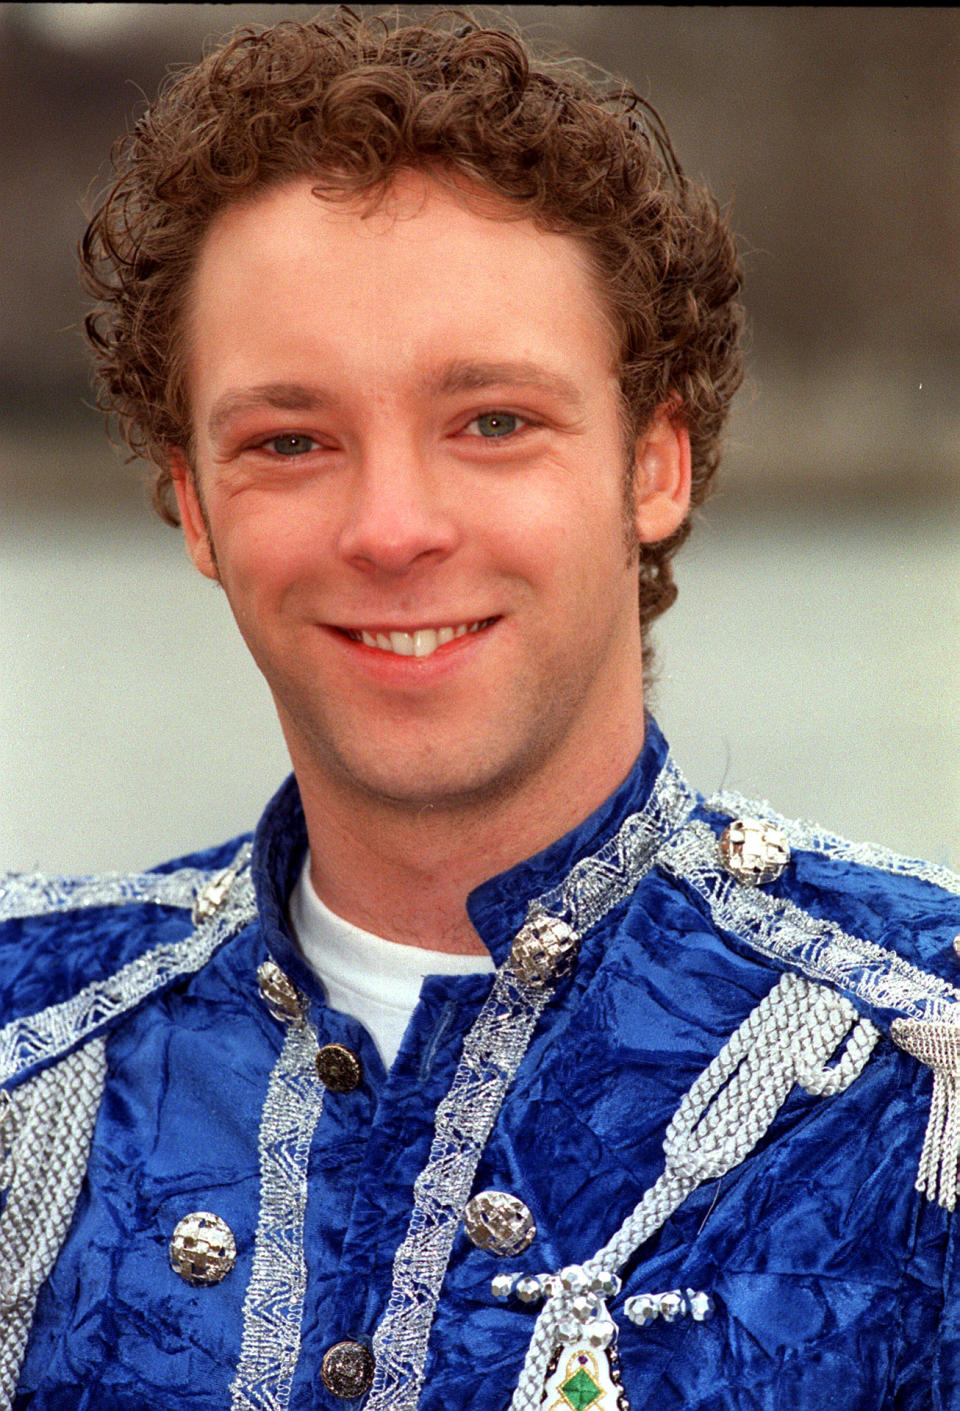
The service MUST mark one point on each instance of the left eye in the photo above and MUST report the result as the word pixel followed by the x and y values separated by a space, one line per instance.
pixel 493 425
pixel 291 443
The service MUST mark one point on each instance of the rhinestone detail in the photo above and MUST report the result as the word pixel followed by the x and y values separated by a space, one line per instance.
pixel 338 1068
pixel 677 1303
pixel 278 993
pixel 499 1223
pixel 202 1248
pixel 347 1369
pixel 753 851
pixel 543 950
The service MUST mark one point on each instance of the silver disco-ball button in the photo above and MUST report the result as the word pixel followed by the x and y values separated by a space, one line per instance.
pixel 499 1223
pixel 544 949
pixel 202 1249
pixel 753 851
pixel 278 993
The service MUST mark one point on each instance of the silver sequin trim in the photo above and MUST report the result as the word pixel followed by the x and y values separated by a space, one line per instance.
pixel 36 894
pixel 809 837
pixel 44 1145
pixel 821 949
pixel 273 1308
pixel 492 1052
pixel 38 1038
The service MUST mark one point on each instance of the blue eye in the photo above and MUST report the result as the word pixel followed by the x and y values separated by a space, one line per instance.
pixel 291 444
pixel 496 424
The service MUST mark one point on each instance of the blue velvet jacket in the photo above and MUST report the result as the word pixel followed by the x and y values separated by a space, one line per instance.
pixel 173 1088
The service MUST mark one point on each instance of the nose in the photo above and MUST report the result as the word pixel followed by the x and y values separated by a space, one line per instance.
pixel 398 515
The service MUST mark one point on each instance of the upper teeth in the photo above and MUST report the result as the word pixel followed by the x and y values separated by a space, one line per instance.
pixel 416 644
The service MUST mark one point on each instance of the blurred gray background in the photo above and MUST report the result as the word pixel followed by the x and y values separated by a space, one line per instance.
pixel 813 656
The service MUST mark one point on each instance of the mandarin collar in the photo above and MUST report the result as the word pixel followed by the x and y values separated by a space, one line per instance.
pixel 497 908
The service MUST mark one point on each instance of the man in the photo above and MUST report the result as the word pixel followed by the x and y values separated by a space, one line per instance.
pixel 499 1068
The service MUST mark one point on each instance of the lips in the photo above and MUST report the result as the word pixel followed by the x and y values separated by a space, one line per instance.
pixel 419 642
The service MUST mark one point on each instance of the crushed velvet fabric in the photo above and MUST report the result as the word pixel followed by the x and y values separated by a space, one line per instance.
pixel 836 1283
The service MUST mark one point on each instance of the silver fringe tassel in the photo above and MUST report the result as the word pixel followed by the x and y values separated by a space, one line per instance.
pixel 936 1042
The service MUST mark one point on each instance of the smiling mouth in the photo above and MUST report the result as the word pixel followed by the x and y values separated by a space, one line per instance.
pixel 422 642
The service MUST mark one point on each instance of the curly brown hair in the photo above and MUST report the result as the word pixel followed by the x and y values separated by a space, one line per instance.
pixel 352 101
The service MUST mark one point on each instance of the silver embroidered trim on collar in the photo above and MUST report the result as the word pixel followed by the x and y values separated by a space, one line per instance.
pixel 37 894
pixel 492 1052
pixel 273 1307
pixel 39 1038
pixel 47 1126
pixel 597 883
pixel 821 949
pixel 810 837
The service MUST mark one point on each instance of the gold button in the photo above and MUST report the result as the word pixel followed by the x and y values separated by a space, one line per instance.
pixel 338 1068
pixel 347 1369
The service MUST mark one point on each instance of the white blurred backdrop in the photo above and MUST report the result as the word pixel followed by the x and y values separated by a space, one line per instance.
pixel 813 656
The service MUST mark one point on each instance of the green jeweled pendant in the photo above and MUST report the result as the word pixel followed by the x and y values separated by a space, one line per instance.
pixel 583 1379
pixel 580 1390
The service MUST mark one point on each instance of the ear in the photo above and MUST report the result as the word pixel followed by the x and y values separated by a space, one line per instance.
pixel 192 517
pixel 662 476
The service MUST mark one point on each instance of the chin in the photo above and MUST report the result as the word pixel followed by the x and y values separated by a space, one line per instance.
pixel 416 785
pixel 440 794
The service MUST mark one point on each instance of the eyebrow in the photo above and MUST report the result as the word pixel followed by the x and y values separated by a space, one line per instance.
pixel 283 396
pixel 458 376
pixel 469 376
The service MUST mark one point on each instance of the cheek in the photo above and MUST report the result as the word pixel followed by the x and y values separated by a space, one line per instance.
pixel 265 547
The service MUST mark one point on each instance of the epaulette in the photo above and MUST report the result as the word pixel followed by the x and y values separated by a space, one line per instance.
pixel 219 903
pixel 919 1009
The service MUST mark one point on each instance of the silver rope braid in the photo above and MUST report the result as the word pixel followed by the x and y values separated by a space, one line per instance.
pixel 46 1127
pixel 786 1039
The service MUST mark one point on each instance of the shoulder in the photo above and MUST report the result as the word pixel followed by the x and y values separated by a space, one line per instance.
pixel 856 916
pixel 75 950
pixel 873 931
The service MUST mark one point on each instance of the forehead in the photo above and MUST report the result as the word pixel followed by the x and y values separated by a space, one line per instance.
pixel 416 260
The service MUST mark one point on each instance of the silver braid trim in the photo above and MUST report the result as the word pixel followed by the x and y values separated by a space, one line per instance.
pixel 821 949
pixel 809 837
pixel 273 1307
pixel 492 1052
pixel 790 1034
pixel 39 1038
pixel 45 1132
pixel 37 894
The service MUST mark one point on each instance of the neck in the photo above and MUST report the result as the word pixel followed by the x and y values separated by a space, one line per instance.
pixel 405 874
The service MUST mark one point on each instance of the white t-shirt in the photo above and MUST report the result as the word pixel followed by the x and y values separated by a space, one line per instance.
pixel 373 980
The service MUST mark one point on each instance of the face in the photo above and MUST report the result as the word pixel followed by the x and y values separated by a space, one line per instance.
pixel 408 475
